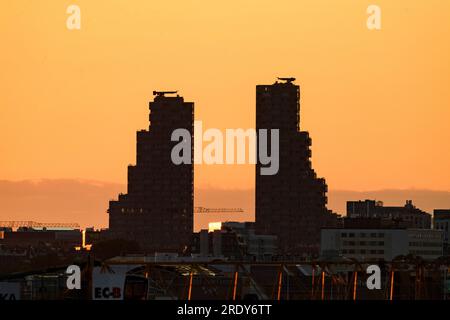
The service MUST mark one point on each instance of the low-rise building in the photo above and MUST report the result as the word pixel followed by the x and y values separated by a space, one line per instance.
pixel 258 246
pixel 235 241
pixel 365 244
pixel 31 237
pixel 441 221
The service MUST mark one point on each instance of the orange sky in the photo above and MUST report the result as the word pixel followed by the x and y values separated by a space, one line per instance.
pixel 377 103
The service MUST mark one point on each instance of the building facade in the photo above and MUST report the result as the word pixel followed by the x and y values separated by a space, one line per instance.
pixel 365 244
pixel 157 211
pixel 441 221
pixel 292 203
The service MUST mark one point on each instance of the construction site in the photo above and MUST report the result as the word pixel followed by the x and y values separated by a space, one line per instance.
pixel 143 278
pixel 216 269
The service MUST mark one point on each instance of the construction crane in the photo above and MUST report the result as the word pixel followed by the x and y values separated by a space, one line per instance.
pixel 38 225
pixel 217 210
pixel 162 93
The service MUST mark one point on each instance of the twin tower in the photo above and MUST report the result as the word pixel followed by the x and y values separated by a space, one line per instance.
pixel 157 211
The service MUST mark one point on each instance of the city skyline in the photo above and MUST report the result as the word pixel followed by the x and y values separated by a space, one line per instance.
pixel 202 220
pixel 250 155
pixel 246 196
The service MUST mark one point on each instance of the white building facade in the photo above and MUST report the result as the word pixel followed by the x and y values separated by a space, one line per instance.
pixel 377 244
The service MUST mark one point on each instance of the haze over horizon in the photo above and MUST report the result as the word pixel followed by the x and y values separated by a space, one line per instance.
pixel 85 202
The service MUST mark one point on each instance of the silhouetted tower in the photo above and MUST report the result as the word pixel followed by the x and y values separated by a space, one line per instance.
pixel 292 203
pixel 157 211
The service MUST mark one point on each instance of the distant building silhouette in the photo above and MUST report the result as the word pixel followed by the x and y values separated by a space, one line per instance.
pixel 408 215
pixel 157 211
pixel 292 203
